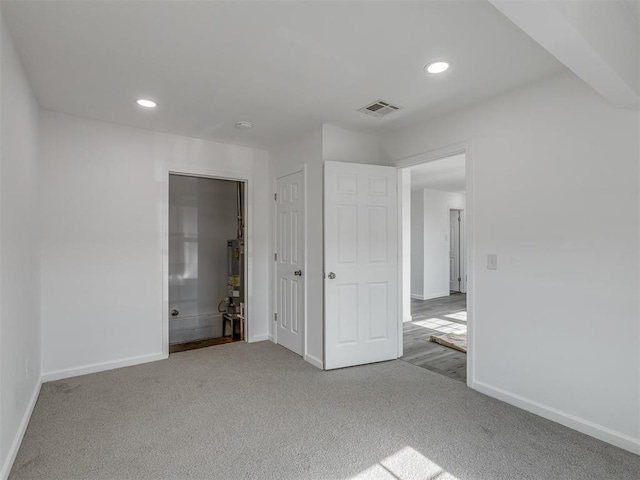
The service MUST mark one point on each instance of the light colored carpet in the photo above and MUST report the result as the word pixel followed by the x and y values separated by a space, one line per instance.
pixel 457 341
pixel 260 412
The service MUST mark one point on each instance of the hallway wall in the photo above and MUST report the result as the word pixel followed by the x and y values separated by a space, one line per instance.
pixel 551 163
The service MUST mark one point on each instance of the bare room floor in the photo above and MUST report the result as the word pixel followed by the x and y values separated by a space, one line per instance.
pixel 436 316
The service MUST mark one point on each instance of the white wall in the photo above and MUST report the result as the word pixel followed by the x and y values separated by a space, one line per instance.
pixel 340 145
pixel 19 252
pixel 553 164
pixel 404 186
pixel 436 240
pixel 202 218
pixel 104 201
pixel 430 241
pixel 598 40
pixel 417 244
pixel 612 31
pixel 305 152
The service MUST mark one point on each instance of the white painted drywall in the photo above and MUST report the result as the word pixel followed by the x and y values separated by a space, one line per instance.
pixel 430 241
pixel 202 218
pixel 341 145
pixel 552 165
pixel 305 152
pixel 404 184
pixel 436 240
pixel 611 29
pixel 19 252
pixel 598 40
pixel 417 244
pixel 104 196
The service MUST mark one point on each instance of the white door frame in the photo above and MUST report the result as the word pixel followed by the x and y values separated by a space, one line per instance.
pixel 459 247
pixel 463 250
pixel 462 247
pixel 402 165
pixel 201 172
pixel 274 283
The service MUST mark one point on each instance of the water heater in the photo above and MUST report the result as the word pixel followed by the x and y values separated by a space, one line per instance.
pixel 235 273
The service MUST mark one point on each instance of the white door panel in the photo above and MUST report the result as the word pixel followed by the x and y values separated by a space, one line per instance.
pixel 289 262
pixel 361 254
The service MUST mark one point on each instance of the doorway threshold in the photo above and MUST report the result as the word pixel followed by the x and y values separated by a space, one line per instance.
pixel 207 342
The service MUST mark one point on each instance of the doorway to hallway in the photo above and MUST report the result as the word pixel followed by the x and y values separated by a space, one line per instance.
pixel 435 335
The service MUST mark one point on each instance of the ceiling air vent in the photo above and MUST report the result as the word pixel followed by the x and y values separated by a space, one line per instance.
pixel 379 109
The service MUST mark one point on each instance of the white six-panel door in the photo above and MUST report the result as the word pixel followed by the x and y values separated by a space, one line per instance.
pixel 361 264
pixel 290 261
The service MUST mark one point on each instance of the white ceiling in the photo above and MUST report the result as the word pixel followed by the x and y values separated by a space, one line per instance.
pixel 446 174
pixel 284 66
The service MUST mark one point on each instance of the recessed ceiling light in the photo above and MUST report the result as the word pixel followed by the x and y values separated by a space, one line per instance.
pixel 244 125
pixel 437 67
pixel 145 102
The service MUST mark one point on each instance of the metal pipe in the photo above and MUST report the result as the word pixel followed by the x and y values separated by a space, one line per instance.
pixel 240 210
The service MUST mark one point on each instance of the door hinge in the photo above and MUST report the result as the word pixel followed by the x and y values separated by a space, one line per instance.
pixel 275 197
pixel 459 279
pixel 275 317
pixel 275 257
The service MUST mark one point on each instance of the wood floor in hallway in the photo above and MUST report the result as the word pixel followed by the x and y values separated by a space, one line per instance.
pixel 436 316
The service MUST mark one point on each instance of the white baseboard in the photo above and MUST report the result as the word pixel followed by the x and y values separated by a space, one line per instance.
pixel 316 362
pixel 429 296
pixel 22 428
pixel 100 367
pixel 259 338
pixel 580 424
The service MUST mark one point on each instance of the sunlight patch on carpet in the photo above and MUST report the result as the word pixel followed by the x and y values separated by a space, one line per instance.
pixel 406 464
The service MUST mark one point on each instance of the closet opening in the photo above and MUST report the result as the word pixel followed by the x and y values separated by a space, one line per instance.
pixel 207 283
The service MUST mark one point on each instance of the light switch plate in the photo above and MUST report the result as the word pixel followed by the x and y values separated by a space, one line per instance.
pixel 492 261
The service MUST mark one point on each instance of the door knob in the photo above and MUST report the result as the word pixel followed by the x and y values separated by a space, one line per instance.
pixel 332 275
pixel 298 273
